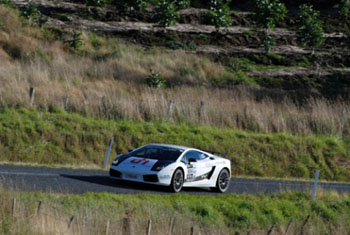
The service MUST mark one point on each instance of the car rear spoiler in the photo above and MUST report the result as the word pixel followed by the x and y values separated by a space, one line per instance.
pixel 214 152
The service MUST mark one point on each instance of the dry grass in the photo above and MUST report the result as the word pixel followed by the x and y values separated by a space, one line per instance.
pixel 122 100
pixel 95 213
pixel 108 82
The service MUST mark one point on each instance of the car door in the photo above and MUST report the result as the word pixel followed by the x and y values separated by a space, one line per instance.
pixel 197 165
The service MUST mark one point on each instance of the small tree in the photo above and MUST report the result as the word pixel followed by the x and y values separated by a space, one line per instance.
pixel 138 5
pixel 155 79
pixel 268 12
pixel 5 2
pixel 268 42
pixel 95 3
pixel 345 9
pixel 219 13
pixel 182 4
pixel 166 11
pixel 310 32
pixel 76 42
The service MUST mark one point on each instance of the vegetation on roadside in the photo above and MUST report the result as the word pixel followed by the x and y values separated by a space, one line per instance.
pixel 224 214
pixel 56 137
pixel 96 78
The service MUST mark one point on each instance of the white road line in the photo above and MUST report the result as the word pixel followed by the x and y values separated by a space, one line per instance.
pixel 27 173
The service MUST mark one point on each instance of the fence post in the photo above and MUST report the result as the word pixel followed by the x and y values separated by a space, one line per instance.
pixel 70 221
pixel 107 227
pixel 14 207
pixel 149 225
pixel 31 95
pixel 108 151
pixel 126 227
pixel 171 107
pixel 302 227
pixel 84 225
pixel 315 185
pixel 201 109
pixel 290 222
pixel 38 209
pixel 270 230
pixel 66 101
pixel 172 225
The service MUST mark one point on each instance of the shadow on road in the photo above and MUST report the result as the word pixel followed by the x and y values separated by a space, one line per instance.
pixel 129 186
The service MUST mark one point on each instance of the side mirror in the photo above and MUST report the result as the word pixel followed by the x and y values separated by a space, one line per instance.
pixel 192 160
pixel 129 150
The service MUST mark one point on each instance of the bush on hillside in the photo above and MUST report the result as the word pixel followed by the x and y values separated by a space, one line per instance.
pixel 95 3
pixel 219 13
pixel 155 79
pixel 138 5
pixel 5 2
pixel 345 9
pixel 166 13
pixel 76 41
pixel 268 42
pixel 268 12
pixel 310 32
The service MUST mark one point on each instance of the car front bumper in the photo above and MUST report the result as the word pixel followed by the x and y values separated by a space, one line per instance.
pixel 149 177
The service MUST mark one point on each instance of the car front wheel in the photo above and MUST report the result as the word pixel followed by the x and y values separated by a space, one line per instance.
pixel 223 181
pixel 177 181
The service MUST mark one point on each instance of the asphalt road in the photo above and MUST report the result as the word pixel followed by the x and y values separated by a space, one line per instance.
pixel 73 181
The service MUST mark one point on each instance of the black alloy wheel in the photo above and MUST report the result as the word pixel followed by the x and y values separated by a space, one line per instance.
pixel 223 181
pixel 177 181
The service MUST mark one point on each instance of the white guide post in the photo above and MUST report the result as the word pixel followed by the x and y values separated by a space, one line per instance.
pixel 315 185
pixel 108 151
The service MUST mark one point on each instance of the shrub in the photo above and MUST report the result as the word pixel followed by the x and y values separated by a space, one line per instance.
pixel 5 2
pixel 31 13
pixel 310 32
pixel 138 5
pixel 166 13
pixel 96 3
pixel 76 42
pixel 268 42
pixel 155 79
pixel 182 4
pixel 345 9
pixel 268 12
pixel 219 13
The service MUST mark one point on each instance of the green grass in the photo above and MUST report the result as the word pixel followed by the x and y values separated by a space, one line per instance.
pixel 225 214
pixel 57 137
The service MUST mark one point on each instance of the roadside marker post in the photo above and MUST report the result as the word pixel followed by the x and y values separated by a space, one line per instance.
pixel 108 151
pixel 315 185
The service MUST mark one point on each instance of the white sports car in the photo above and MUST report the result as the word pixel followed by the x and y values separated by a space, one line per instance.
pixel 173 166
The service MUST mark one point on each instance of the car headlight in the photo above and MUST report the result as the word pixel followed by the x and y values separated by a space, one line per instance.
pixel 159 168
pixel 160 165
pixel 119 159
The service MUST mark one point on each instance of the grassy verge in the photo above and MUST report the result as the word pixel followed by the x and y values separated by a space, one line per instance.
pixel 57 137
pixel 223 214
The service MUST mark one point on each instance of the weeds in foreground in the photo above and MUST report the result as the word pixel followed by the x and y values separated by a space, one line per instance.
pixel 102 213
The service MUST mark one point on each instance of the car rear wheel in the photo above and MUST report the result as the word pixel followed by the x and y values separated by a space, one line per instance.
pixel 223 181
pixel 177 181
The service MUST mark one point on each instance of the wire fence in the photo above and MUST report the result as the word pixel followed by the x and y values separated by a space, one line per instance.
pixel 50 219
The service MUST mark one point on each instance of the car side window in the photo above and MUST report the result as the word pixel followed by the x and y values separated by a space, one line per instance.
pixel 195 155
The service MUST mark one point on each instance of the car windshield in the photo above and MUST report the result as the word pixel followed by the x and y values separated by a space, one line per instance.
pixel 157 152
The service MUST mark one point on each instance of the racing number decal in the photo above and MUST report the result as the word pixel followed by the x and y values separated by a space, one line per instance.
pixel 137 161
